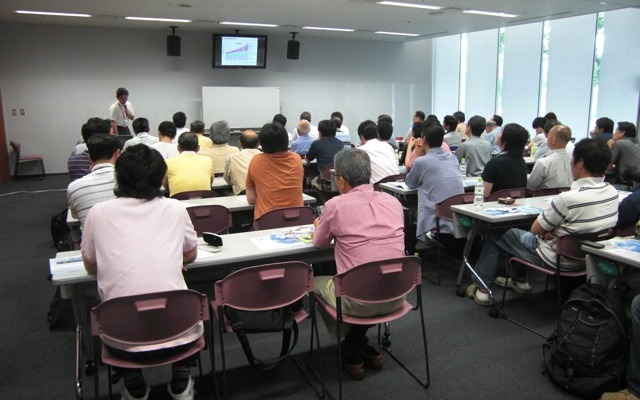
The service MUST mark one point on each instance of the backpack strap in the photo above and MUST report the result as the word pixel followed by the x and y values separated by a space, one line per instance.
pixel 289 325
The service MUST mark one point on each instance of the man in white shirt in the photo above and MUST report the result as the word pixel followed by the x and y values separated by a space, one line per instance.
pixel 121 112
pixel 383 159
pixel 180 121
pixel 166 133
pixel 237 164
pixel 554 170
pixel 98 185
pixel 141 129
pixel 313 129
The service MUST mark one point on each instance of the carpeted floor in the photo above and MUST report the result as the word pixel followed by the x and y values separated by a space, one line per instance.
pixel 471 355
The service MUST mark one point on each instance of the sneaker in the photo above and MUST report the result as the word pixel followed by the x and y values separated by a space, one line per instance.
pixel 187 394
pixel 621 395
pixel 480 297
pixel 518 287
pixel 371 357
pixel 125 395
pixel 471 291
pixel 355 371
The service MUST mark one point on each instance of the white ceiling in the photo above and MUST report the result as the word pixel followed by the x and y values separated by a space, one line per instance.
pixel 362 15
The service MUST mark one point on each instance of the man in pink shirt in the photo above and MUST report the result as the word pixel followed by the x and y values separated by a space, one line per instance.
pixel 138 243
pixel 366 226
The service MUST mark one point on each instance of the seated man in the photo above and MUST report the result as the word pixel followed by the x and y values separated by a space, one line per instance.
pixel 78 162
pixel 303 142
pixel 126 265
pixel 313 130
pixel 508 169
pixel 204 142
pixel 451 137
pixel 436 175
pixel 218 153
pixel 591 206
pixel 490 135
pixel 554 170
pixel 385 133
pixel 237 164
pixel 383 158
pixel 633 373
pixel 98 185
pixel 625 150
pixel 542 148
pixel 629 208
pixel 539 135
pixel 603 129
pixel 180 121
pixel 475 151
pixel 141 134
pixel 274 178
pixel 188 171
pixel 366 226
pixel 166 133
pixel 326 147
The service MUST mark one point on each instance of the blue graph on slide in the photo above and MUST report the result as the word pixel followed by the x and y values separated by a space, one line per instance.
pixel 239 54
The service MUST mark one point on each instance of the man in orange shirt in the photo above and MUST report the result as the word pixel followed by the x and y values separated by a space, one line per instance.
pixel 274 178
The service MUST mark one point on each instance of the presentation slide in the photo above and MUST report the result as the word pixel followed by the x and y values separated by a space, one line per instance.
pixel 239 51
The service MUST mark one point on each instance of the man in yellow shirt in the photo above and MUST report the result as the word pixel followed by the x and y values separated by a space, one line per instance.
pixel 205 143
pixel 188 171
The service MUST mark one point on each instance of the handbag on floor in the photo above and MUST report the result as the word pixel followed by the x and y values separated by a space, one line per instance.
pixel 278 320
pixel 587 353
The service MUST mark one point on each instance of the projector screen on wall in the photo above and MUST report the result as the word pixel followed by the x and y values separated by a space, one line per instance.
pixel 239 51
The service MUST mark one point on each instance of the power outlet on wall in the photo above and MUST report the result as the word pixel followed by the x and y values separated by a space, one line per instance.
pixel 14 112
pixel 22 111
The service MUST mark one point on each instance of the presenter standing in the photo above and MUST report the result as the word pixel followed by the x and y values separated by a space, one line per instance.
pixel 121 112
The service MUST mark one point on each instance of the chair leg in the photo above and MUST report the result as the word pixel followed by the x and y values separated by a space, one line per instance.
pixel 222 355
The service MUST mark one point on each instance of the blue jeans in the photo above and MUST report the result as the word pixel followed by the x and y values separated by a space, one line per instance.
pixel 633 374
pixel 517 242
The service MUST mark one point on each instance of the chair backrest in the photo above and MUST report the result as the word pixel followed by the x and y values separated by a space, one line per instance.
pixel 548 191
pixel 390 178
pixel 516 193
pixel 443 209
pixel 628 231
pixel 210 218
pixel 325 173
pixel 195 194
pixel 265 287
pixel 283 217
pixel 569 246
pixel 379 281
pixel 16 148
pixel 453 148
pixel 150 318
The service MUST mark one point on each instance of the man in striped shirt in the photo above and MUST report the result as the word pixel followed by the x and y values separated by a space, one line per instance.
pixel 98 185
pixel 590 206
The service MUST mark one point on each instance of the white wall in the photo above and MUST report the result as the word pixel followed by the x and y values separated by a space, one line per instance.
pixel 61 76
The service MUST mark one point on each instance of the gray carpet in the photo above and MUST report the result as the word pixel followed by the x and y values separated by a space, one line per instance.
pixel 472 356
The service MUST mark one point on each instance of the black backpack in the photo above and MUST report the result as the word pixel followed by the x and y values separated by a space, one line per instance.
pixel 587 353
pixel 60 232
pixel 278 320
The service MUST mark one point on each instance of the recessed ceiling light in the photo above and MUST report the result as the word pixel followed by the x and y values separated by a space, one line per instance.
pixel 411 5
pixel 248 24
pixel 317 28
pixel 396 33
pixel 491 14
pixel 157 19
pixel 54 14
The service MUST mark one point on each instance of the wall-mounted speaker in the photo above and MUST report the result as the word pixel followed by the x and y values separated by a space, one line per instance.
pixel 293 50
pixel 173 46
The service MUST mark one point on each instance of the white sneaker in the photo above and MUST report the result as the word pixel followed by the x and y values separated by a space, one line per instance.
pixel 518 287
pixel 125 395
pixel 188 393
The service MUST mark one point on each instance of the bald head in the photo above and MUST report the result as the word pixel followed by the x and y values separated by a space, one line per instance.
pixel 558 137
pixel 249 139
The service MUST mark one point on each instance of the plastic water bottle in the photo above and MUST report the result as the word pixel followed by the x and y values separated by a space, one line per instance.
pixel 463 168
pixel 478 198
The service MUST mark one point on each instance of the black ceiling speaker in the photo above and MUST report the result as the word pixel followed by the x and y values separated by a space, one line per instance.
pixel 293 48
pixel 173 43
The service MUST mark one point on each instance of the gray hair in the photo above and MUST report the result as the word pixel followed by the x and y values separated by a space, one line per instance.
pixel 491 123
pixel 220 132
pixel 354 166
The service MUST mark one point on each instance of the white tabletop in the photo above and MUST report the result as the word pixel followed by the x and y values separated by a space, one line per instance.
pixel 625 250
pixel 238 250
pixel 402 189
pixel 492 211
pixel 233 203
pixel 219 183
